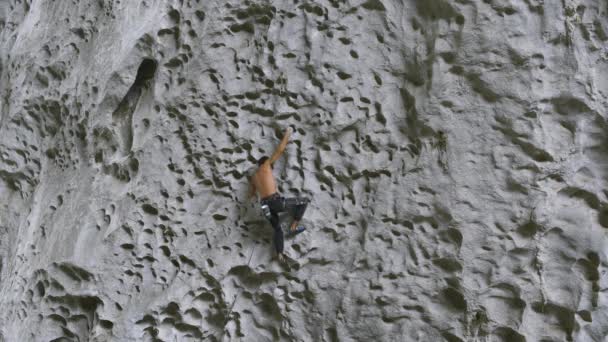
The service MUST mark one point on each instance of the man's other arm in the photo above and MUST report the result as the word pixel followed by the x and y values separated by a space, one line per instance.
pixel 277 153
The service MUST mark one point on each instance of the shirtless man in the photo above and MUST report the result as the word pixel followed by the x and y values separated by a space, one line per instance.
pixel 264 183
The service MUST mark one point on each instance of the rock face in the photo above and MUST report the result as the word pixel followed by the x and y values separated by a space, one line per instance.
pixel 455 153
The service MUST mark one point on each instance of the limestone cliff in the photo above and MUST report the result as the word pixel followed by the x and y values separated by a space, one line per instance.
pixel 455 153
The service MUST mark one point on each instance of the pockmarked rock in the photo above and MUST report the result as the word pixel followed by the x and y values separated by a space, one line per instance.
pixel 455 154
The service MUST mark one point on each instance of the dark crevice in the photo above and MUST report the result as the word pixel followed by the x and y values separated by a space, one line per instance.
pixel 145 72
pixel 123 115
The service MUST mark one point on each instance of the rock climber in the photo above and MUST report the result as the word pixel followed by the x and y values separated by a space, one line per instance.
pixel 272 202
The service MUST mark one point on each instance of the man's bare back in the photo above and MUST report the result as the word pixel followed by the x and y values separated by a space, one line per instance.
pixel 264 181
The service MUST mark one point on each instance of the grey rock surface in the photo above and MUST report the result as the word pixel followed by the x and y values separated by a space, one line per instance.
pixel 455 153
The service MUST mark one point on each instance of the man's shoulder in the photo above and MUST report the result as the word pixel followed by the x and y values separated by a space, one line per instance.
pixel 264 167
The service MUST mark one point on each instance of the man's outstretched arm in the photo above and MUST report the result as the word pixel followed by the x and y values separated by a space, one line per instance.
pixel 277 153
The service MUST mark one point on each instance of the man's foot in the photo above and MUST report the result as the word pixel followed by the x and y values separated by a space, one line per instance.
pixel 281 257
pixel 296 231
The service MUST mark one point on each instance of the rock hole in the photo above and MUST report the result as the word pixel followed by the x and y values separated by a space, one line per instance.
pixel 145 72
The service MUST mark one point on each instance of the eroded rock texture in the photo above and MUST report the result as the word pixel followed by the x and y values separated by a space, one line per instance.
pixel 455 152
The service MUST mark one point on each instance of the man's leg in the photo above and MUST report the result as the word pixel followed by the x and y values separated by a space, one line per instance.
pixel 278 234
pixel 297 207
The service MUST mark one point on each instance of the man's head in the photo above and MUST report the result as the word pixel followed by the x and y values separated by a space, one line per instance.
pixel 263 160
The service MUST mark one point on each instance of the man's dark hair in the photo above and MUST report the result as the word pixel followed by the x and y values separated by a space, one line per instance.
pixel 262 160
